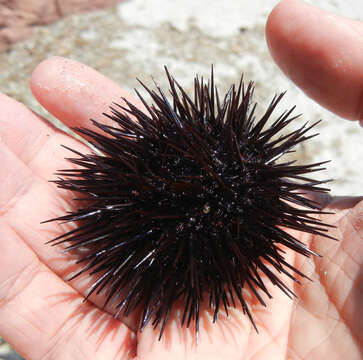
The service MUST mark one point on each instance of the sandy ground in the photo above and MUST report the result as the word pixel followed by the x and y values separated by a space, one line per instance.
pixel 137 38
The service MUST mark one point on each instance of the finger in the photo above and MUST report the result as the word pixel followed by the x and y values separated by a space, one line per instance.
pixel 30 154
pixel 322 53
pixel 33 140
pixel 75 93
pixel 43 317
pixel 27 198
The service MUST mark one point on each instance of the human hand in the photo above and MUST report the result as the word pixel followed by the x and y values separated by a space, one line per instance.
pixel 43 316
pixel 322 53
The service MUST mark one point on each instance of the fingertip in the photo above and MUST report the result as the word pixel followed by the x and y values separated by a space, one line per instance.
pixel 273 18
pixel 49 74
pixel 321 53
pixel 277 25
pixel 289 33
pixel 74 92
pixel 70 90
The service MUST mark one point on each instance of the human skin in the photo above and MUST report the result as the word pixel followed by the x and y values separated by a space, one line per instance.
pixel 43 316
pixel 322 53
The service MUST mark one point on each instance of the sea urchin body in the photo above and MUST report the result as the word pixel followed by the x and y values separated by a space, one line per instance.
pixel 187 201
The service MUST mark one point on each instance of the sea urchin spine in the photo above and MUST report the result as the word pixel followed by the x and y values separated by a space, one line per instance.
pixel 186 200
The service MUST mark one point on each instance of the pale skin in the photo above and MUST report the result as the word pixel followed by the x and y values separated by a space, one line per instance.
pixel 42 315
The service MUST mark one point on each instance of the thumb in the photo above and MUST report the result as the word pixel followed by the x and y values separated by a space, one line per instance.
pixel 322 53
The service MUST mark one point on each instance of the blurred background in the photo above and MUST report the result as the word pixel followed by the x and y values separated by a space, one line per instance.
pixel 136 38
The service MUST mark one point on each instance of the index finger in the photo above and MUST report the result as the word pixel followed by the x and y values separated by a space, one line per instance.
pixel 74 93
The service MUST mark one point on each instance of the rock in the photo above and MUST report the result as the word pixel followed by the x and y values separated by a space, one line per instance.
pixel 9 35
pixel 18 16
pixel 73 6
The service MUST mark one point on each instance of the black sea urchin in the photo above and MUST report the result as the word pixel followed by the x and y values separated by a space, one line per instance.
pixel 187 201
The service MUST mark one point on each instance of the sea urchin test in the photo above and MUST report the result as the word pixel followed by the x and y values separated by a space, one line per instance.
pixel 189 200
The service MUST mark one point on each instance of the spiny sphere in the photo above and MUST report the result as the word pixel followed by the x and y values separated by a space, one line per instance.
pixel 186 200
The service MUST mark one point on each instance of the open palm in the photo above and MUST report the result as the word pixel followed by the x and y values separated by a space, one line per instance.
pixel 44 317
